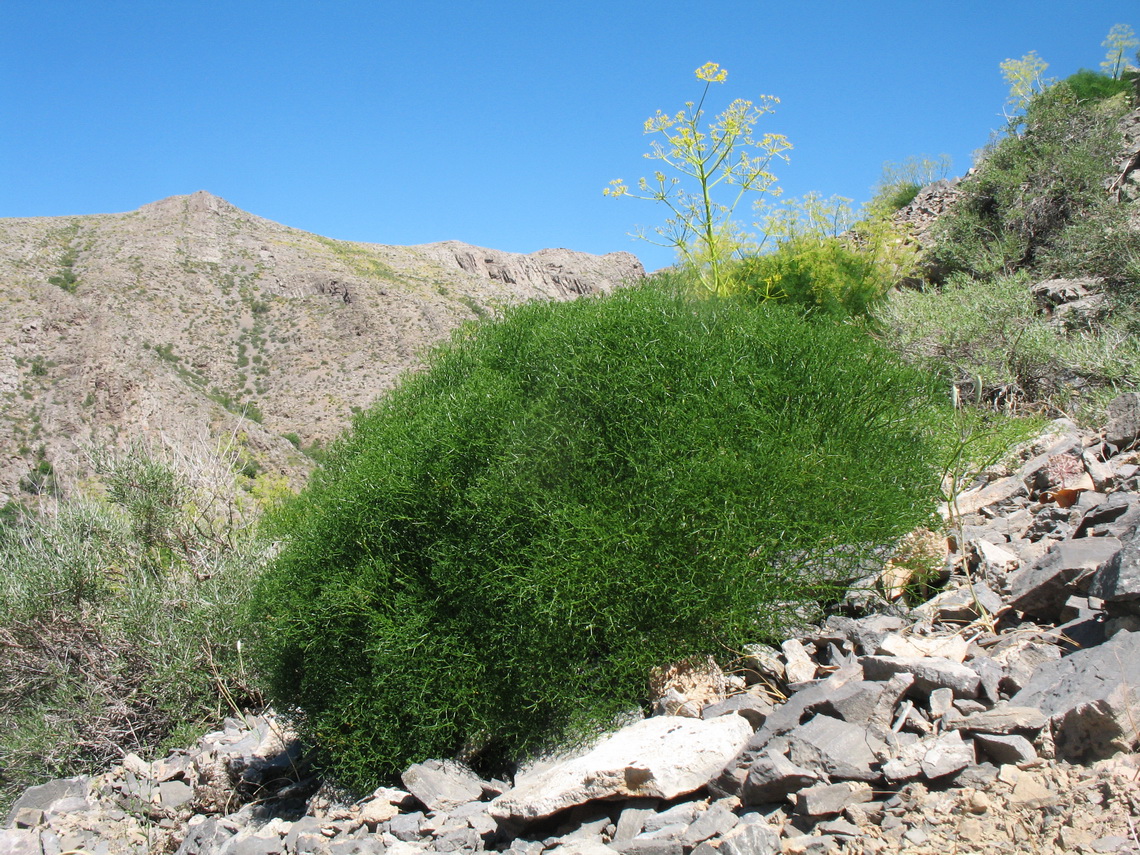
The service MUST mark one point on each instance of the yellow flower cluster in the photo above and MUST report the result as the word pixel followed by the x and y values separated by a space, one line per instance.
pixel 711 72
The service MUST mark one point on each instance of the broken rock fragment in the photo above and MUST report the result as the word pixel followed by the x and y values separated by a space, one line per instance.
pixel 662 757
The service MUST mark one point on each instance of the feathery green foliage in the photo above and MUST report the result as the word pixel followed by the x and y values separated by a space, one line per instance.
pixel 501 549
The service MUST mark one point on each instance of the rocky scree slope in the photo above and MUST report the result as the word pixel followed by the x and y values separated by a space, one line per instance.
pixel 190 320
pixel 1000 715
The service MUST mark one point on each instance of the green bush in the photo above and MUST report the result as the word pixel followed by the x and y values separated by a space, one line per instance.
pixel 1032 187
pixel 821 274
pixel 1087 85
pixel 500 550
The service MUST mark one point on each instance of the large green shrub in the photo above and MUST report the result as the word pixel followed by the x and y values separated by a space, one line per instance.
pixel 500 549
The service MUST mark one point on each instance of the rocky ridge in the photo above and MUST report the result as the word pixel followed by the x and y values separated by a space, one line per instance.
pixel 190 323
pixel 1000 714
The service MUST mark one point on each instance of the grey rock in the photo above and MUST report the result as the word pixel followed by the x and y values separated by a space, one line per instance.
pixel 988 495
pixel 933 757
pixel 836 748
pixel 1005 748
pixel 461 839
pixel 204 837
pixel 855 702
pixel 990 673
pixel 26 817
pixel 798 664
pixel 763 663
pixel 661 757
pixel 406 826
pixel 961 605
pixel 783 719
pixel 174 794
pixel 753 836
pixel 1089 696
pixel 1118 579
pixel 256 844
pixel 18 841
pixel 929 672
pixel 753 707
pixel 1003 719
pixel 772 777
pixel 1118 515
pixel 44 796
pixel 719 819
pixel 831 799
pixel 1123 420
pixel 865 633
pixel 810 844
pixel 632 819
pixel 1042 588
pixel 650 846
pixel 442 784
pixel 680 814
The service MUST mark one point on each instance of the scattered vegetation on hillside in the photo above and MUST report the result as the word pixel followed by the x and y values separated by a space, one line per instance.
pixel 121 617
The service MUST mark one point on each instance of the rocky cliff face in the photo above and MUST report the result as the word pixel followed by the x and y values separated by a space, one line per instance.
pixel 190 321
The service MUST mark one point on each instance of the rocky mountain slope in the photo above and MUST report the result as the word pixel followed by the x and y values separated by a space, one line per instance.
pixel 189 321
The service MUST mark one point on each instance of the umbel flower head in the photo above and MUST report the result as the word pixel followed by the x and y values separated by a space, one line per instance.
pixel 710 72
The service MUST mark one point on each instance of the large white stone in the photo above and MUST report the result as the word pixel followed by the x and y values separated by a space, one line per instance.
pixel 662 757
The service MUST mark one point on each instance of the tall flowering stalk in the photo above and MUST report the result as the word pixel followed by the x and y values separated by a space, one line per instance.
pixel 717 166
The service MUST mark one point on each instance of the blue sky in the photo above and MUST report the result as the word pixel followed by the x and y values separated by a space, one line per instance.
pixel 496 123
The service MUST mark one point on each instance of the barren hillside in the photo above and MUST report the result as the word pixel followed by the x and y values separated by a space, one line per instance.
pixel 190 320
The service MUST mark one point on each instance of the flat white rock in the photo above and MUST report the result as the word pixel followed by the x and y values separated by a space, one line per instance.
pixel 661 757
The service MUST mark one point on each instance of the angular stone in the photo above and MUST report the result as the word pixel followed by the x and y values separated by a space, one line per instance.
pixel 929 672
pixel 1123 420
pixel 933 757
pixel 753 836
pixel 1005 748
pixel 648 846
pixel 662 757
pixel 836 748
pixel 407 826
pixel 44 796
pixel 831 799
pixel 19 841
pixel 1091 697
pixel 994 561
pixel 783 719
pixel 762 662
pixel 717 820
pixel 582 847
pixel 753 707
pixel 174 794
pixel 798 665
pixel 772 778
pixel 952 647
pixel 960 605
pixel 1002 719
pixel 442 784
pixel 995 492
pixel 632 819
pixel 1118 579
pixel 1042 588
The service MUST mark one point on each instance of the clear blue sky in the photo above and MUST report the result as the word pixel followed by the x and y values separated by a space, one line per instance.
pixel 496 123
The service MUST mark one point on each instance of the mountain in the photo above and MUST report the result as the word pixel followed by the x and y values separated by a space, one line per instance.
pixel 190 323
